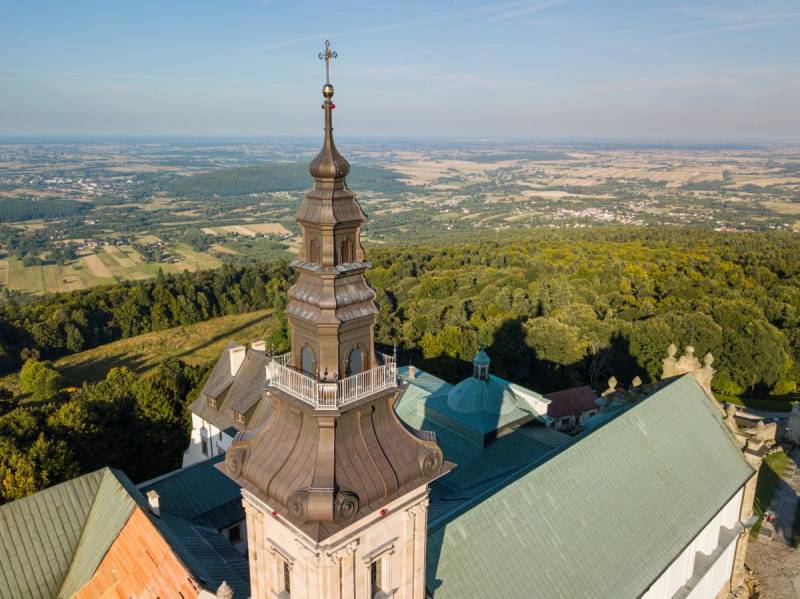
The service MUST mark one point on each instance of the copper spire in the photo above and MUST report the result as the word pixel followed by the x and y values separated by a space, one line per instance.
pixel 328 164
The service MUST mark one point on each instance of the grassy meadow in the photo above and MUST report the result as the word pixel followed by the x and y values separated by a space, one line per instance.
pixel 769 477
pixel 199 343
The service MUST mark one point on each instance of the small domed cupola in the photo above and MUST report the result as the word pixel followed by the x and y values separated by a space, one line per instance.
pixel 480 365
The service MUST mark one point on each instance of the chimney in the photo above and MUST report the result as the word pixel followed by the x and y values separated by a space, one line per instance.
pixel 259 345
pixel 153 501
pixel 412 372
pixel 236 354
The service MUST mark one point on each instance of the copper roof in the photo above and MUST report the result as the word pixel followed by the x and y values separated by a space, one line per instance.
pixel 324 464
pixel 324 470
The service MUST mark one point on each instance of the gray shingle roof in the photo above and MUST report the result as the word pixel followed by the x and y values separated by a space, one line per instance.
pixel 249 383
pixel 632 493
pixel 238 393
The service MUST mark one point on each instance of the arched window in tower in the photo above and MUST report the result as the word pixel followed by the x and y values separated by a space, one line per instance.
pixel 355 362
pixel 313 251
pixel 346 253
pixel 307 359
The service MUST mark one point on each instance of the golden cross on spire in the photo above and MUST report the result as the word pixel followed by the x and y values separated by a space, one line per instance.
pixel 326 56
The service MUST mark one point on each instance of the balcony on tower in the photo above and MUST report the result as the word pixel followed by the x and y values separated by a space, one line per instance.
pixel 323 393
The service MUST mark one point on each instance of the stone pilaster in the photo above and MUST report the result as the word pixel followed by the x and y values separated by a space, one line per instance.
pixel 419 513
pixel 347 563
pixel 738 572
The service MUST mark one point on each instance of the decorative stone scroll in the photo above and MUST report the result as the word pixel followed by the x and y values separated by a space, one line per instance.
pixel 612 387
pixel 429 459
pixel 415 510
pixel 688 363
pixel 234 460
pixel 298 506
pixel 345 507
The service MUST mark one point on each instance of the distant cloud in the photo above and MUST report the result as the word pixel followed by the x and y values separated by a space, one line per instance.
pixel 734 24
pixel 492 13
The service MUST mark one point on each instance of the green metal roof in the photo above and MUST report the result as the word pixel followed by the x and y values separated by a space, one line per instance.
pixel 200 493
pixel 423 382
pixel 110 511
pixel 194 503
pixel 480 406
pixel 477 468
pixel 53 540
pixel 632 493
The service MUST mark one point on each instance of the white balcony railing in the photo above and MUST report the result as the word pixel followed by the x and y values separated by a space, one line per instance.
pixel 330 395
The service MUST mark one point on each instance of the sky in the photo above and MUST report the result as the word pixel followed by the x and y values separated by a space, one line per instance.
pixel 716 71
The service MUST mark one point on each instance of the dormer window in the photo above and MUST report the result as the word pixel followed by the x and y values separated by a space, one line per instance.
pixel 239 417
pixel 212 401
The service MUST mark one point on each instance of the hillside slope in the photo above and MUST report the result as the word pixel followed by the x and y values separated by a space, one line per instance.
pixel 195 344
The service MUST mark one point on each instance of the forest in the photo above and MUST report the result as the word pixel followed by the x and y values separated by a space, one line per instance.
pixel 60 324
pixel 554 308
pixel 264 178
pixel 19 209
pixel 557 308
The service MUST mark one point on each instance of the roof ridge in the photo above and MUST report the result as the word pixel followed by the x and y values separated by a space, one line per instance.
pixel 632 472
pixel 552 455
pixel 107 474
pixel 60 513
pixel 715 410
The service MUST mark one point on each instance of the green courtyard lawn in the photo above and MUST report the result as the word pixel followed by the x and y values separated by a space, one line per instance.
pixel 769 477
pixel 777 404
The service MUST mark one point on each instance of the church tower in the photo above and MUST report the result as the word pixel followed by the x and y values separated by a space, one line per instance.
pixel 331 308
pixel 334 485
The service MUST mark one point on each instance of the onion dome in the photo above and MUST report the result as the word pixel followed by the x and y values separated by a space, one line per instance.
pixel 329 163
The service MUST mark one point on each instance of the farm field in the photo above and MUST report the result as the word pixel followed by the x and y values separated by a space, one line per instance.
pixel 108 264
pixel 249 229
pixel 52 278
pixel 198 343
pixel 128 210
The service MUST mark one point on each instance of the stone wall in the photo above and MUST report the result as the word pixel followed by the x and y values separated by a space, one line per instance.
pixel 339 566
